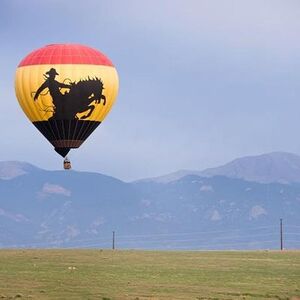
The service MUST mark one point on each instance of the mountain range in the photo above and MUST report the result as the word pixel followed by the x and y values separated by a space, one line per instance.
pixel 234 206
pixel 272 167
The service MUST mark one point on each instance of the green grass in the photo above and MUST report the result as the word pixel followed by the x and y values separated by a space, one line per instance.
pixel 138 275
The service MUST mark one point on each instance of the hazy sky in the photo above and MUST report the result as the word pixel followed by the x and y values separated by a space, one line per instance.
pixel 201 82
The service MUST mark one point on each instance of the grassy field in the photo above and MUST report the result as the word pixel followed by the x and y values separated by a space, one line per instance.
pixel 97 274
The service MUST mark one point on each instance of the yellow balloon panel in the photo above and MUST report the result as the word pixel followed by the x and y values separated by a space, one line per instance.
pixel 46 90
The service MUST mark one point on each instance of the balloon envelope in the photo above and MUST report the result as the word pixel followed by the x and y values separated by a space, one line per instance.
pixel 66 91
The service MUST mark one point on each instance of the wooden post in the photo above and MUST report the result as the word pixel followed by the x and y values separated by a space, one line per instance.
pixel 281 235
pixel 113 241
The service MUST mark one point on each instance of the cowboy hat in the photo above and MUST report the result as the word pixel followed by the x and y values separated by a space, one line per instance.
pixel 52 71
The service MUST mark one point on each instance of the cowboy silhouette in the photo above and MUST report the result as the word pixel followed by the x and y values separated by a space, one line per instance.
pixel 54 89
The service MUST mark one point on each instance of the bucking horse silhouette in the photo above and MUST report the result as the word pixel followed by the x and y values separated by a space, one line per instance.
pixel 79 99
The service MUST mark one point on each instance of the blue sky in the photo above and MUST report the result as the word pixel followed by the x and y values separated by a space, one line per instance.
pixel 201 82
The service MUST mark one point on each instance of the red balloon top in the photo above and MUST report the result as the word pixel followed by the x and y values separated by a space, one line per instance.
pixel 65 54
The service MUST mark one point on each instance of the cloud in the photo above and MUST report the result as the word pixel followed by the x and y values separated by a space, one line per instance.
pixel 233 23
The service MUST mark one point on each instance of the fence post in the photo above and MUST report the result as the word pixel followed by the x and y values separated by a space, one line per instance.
pixel 113 241
pixel 281 235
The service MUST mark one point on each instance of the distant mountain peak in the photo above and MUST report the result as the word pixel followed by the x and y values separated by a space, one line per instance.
pixel 169 177
pixel 278 166
pixel 12 169
pixel 270 167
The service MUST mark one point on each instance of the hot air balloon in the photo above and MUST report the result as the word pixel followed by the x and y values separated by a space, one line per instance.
pixel 66 91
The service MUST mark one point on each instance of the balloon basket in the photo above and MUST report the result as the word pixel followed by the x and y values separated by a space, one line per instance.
pixel 67 164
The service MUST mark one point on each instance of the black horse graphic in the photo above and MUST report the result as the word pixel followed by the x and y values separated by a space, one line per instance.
pixel 79 99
